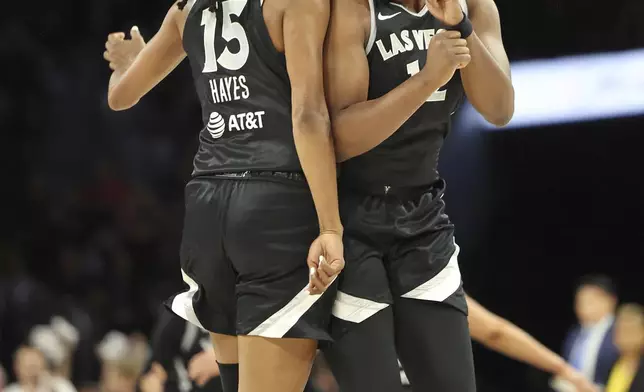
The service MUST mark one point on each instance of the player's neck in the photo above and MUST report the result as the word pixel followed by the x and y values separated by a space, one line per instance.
pixel 412 5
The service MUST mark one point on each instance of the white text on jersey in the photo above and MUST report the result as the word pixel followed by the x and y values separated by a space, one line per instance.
pixel 405 41
pixel 246 121
pixel 232 88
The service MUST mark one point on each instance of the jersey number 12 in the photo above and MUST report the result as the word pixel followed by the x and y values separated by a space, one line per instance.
pixel 229 31
pixel 438 96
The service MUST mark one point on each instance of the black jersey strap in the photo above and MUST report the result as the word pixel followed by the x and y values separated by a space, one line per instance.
pixel 464 27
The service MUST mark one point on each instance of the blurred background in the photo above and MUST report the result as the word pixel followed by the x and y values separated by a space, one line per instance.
pixel 91 211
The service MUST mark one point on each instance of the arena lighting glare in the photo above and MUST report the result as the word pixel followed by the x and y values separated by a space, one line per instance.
pixel 573 89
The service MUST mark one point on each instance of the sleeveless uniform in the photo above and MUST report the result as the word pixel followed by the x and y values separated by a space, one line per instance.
pixel 250 217
pixel 174 343
pixel 399 243
pixel 396 229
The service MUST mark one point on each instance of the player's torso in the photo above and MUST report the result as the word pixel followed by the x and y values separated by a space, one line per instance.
pixel 243 87
pixel 397 51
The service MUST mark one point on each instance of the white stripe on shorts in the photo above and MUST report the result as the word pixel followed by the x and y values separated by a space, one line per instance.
pixel 284 319
pixel 182 303
pixel 441 286
pixel 354 309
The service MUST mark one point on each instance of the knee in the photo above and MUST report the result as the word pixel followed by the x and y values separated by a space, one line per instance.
pixel 225 348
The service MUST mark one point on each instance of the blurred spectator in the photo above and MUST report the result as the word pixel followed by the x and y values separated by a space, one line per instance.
pixel 57 353
pixel 31 372
pixel 589 346
pixel 628 373
pixel 122 359
pixel 184 357
pixel 54 325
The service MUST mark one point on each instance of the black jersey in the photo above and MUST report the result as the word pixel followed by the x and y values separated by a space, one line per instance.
pixel 243 87
pixel 396 51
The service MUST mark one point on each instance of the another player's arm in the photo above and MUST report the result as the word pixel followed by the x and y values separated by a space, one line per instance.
pixel 360 124
pixel 502 336
pixel 165 341
pixel 305 26
pixel 486 79
pixel 157 59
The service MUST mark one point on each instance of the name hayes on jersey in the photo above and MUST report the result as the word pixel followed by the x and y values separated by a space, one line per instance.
pixel 232 88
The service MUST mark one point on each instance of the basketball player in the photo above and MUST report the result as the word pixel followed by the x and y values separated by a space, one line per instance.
pixel 249 212
pixel 178 348
pixel 393 82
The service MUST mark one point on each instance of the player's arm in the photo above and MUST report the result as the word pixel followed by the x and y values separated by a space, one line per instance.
pixel 131 80
pixel 165 341
pixel 359 124
pixel 504 337
pixel 486 79
pixel 305 26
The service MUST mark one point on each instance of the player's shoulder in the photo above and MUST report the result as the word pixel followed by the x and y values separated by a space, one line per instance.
pixel 353 12
pixel 184 6
pixel 350 20
pixel 351 5
pixel 305 6
pixel 178 13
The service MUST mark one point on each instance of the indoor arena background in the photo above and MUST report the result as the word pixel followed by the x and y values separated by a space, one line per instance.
pixel 91 210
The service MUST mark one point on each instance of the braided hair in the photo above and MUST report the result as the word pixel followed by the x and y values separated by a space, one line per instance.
pixel 214 4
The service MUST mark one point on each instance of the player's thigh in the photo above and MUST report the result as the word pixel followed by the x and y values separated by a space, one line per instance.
pixel 364 358
pixel 209 299
pixel 434 346
pixel 363 354
pixel 274 365
pixel 364 284
pixel 225 347
pixel 423 263
pixel 363 287
pixel 271 225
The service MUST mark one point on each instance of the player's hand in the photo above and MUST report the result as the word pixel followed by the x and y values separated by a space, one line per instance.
pixel 447 11
pixel 154 380
pixel 325 261
pixel 581 383
pixel 447 52
pixel 121 52
pixel 203 367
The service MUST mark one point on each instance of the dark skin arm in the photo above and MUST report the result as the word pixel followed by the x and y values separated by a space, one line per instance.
pixel 360 125
pixel 305 26
pixel 500 335
pixel 487 79
pixel 504 337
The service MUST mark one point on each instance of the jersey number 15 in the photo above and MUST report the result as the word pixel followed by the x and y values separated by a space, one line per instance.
pixel 229 31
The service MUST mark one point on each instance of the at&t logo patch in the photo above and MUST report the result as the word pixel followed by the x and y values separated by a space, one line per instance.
pixel 216 125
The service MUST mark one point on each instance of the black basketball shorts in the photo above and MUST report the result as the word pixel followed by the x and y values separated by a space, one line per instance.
pixel 398 243
pixel 243 258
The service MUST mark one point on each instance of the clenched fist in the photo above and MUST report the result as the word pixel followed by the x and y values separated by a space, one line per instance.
pixel 325 261
pixel 447 52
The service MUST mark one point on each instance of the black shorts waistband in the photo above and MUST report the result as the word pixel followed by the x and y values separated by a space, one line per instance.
pixel 293 176
pixel 436 188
